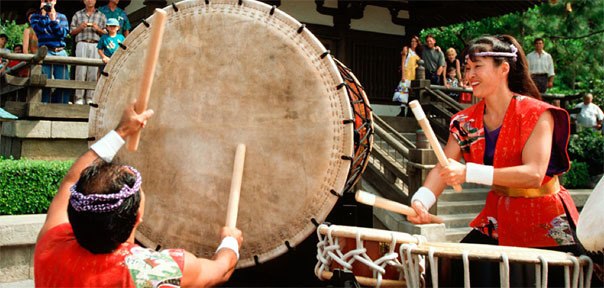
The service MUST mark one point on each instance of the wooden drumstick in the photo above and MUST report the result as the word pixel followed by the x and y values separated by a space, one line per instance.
pixel 376 201
pixel 423 122
pixel 157 33
pixel 233 208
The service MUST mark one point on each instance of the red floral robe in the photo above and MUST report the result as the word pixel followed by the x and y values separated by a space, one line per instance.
pixel 519 221
pixel 59 261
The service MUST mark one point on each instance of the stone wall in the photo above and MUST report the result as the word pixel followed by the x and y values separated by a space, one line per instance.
pixel 17 241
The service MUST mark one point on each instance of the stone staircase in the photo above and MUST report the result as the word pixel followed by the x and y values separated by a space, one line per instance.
pixel 459 208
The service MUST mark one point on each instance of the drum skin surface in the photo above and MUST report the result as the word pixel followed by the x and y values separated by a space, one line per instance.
pixel 230 74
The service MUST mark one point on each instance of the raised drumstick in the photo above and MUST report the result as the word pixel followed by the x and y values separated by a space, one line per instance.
pixel 157 33
pixel 376 201
pixel 233 208
pixel 423 122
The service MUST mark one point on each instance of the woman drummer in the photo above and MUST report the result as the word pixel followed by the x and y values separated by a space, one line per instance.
pixel 516 144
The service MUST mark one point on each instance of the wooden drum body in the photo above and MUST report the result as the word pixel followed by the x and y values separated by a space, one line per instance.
pixel 232 72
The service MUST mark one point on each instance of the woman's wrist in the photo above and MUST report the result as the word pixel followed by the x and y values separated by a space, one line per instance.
pixel 425 196
pixel 480 174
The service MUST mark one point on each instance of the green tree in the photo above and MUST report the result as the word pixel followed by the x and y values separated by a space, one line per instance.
pixel 13 31
pixel 574 38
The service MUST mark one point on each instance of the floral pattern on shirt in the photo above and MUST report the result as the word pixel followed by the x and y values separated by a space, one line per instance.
pixel 151 269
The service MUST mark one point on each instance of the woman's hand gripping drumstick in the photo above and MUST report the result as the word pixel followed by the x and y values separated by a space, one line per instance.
pixel 423 122
pixel 376 201
pixel 233 208
pixel 157 33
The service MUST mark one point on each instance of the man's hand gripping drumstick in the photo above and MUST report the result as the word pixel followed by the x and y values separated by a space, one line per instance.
pixel 376 201
pixel 157 33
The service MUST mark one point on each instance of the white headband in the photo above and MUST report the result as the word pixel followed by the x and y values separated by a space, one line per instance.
pixel 513 54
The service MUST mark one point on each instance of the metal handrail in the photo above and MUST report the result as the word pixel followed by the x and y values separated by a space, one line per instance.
pixel 391 130
pixel 435 90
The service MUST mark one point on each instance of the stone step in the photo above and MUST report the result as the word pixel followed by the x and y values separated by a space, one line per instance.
pixel 580 196
pixel 456 234
pixel 468 194
pixel 460 207
pixel 18 284
pixel 458 220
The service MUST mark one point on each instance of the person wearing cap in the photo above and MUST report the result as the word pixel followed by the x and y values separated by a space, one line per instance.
pixel 87 239
pixel 87 26
pixel 112 11
pixel 110 41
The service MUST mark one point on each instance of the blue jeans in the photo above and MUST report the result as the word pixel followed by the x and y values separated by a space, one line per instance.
pixel 56 71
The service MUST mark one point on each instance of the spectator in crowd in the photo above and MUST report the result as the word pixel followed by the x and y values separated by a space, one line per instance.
pixel 541 66
pixel 112 11
pixel 110 41
pixel 30 40
pixel 51 28
pixel 452 82
pixel 87 25
pixel 434 61
pixel 24 71
pixel 3 49
pixel 452 62
pixel 409 59
pixel 590 116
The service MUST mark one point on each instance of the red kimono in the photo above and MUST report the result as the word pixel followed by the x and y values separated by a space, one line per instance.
pixel 526 219
pixel 59 261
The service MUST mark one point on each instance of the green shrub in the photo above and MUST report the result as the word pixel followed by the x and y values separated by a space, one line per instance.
pixel 577 176
pixel 28 186
pixel 588 146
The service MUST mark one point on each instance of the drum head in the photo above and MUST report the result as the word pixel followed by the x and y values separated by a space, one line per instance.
pixel 230 74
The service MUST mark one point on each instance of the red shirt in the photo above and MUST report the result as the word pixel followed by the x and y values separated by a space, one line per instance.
pixel 519 221
pixel 59 261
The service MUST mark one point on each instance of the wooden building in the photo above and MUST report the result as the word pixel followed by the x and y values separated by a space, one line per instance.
pixel 366 35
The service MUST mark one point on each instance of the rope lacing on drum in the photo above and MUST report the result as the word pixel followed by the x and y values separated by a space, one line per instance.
pixel 433 266
pixel 466 269
pixel 576 268
pixel 504 271
pixel 410 264
pixel 328 250
pixel 585 280
pixel 390 258
pixel 541 273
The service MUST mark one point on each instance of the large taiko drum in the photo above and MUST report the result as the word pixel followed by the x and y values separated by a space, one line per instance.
pixel 233 72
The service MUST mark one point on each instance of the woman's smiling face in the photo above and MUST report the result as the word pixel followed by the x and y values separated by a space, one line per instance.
pixel 484 77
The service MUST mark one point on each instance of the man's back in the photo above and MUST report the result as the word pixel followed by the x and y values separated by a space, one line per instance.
pixel 61 262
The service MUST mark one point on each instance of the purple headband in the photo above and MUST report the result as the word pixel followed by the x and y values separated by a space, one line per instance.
pixel 100 203
pixel 513 54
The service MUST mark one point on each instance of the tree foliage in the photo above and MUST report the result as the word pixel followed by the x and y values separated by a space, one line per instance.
pixel 13 31
pixel 573 38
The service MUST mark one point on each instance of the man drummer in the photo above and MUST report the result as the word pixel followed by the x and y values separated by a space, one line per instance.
pixel 88 237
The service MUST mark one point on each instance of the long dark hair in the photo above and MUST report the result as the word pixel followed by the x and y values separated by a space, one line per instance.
pixel 519 78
